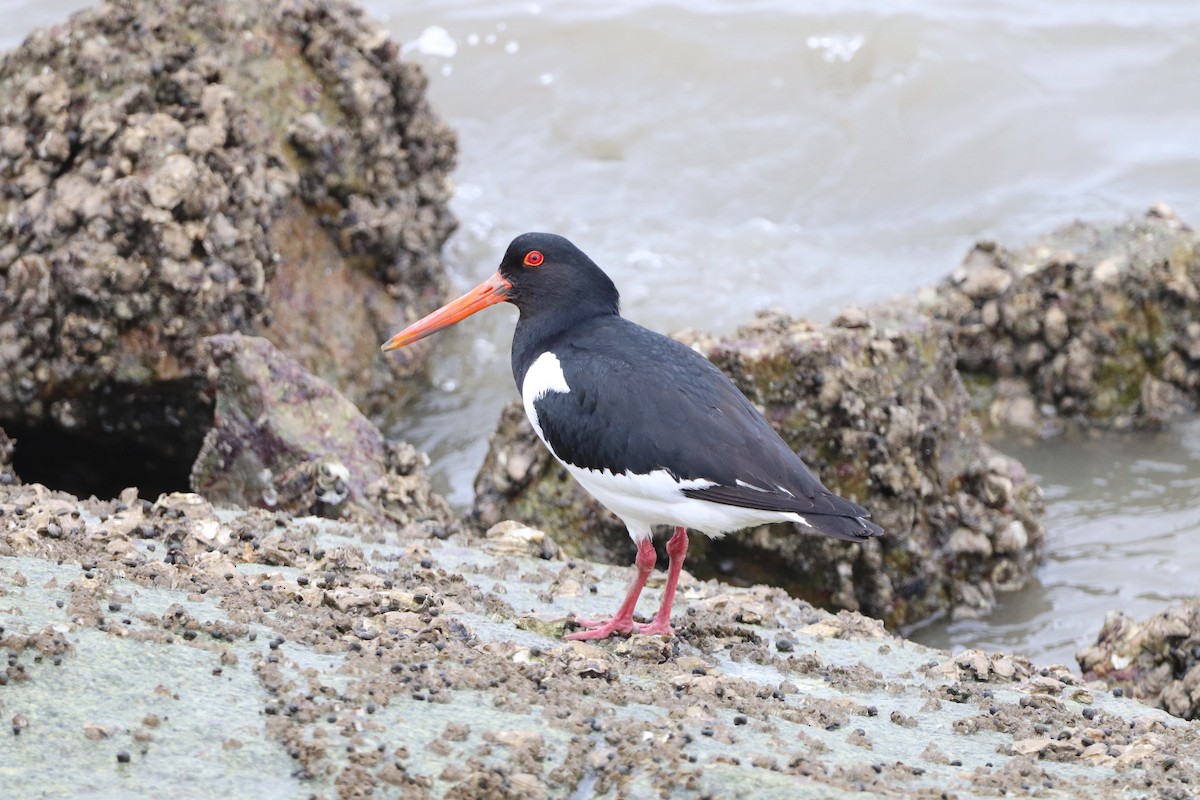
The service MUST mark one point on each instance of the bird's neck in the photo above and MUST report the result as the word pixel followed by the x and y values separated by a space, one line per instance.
pixel 537 333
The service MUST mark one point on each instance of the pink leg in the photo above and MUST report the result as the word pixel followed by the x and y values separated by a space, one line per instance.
pixel 677 550
pixel 622 621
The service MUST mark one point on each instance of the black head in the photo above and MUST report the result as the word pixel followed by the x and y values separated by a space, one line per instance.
pixel 550 275
pixel 549 279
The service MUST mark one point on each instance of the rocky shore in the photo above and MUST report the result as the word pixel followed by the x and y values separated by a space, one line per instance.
pixel 191 196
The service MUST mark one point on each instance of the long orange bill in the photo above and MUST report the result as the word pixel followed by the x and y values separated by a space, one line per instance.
pixel 494 290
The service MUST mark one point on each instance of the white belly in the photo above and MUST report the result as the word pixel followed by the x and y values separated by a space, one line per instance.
pixel 642 501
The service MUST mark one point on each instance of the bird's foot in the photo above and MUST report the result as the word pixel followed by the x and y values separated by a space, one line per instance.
pixel 602 628
pixel 655 628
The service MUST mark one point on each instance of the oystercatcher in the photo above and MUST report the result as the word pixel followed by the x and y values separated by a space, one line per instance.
pixel 648 426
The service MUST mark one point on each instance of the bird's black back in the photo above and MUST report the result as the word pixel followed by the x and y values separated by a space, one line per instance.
pixel 641 402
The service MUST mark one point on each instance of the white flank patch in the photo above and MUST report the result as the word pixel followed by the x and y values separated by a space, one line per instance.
pixel 545 375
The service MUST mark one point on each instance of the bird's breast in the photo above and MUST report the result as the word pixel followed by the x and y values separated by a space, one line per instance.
pixel 545 375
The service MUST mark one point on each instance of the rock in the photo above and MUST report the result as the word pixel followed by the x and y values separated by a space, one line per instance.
pixel 1012 407
pixel 1056 328
pixel 1093 323
pixel 279 433
pixel 517 539
pixel 283 439
pixel 8 476
pixel 174 179
pixel 1012 539
pixel 1162 401
pixel 95 731
pixel 545 623
pixel 407 664
pixel 968 542
pixel 878 411
pixel 171 178
pixel 638 647
pixel 1156 660
pixel 980 277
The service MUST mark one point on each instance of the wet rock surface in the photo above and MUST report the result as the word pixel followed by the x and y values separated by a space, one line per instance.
pixel 283 439
pixel 1093 324
pixel 348 660
pixel 875 407
pixel 1156 660
pixel 175 170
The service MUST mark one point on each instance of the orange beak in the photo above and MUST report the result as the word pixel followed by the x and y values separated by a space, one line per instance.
pixel 494 290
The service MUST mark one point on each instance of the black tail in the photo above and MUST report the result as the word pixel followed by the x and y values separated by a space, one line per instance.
pixel 826 512
pixel 850 529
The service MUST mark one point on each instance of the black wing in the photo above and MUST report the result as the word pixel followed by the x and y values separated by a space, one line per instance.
pixel 675 410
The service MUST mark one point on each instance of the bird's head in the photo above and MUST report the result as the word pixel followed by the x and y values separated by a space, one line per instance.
pixel 541 273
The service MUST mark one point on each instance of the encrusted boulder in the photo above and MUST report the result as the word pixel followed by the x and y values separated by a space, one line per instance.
pixel 283 439
pixel 1092 324
pixel 1156 660
pixel 7 475
pixel 173 170
pixel 876 408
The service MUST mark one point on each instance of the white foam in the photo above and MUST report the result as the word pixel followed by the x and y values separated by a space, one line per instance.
pixel 433 41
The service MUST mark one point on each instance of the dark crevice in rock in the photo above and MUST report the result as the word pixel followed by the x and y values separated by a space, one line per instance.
pixel 119 438
pixel 75 148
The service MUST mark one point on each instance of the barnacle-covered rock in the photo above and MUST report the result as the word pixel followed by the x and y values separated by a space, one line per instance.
pixel 1094 324
pixel 1156 660
pixel 7 475
pixel 170 171
pixel 450 658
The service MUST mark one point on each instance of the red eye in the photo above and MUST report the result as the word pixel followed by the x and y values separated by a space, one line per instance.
pixel 534 258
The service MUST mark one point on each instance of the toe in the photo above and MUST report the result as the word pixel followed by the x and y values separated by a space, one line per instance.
pixel 656 629
pixel 601 629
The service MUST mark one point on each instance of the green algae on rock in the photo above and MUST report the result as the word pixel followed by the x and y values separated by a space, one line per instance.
pixel 1093 324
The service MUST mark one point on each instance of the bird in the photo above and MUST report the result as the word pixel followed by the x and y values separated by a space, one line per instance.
pixel 648 426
